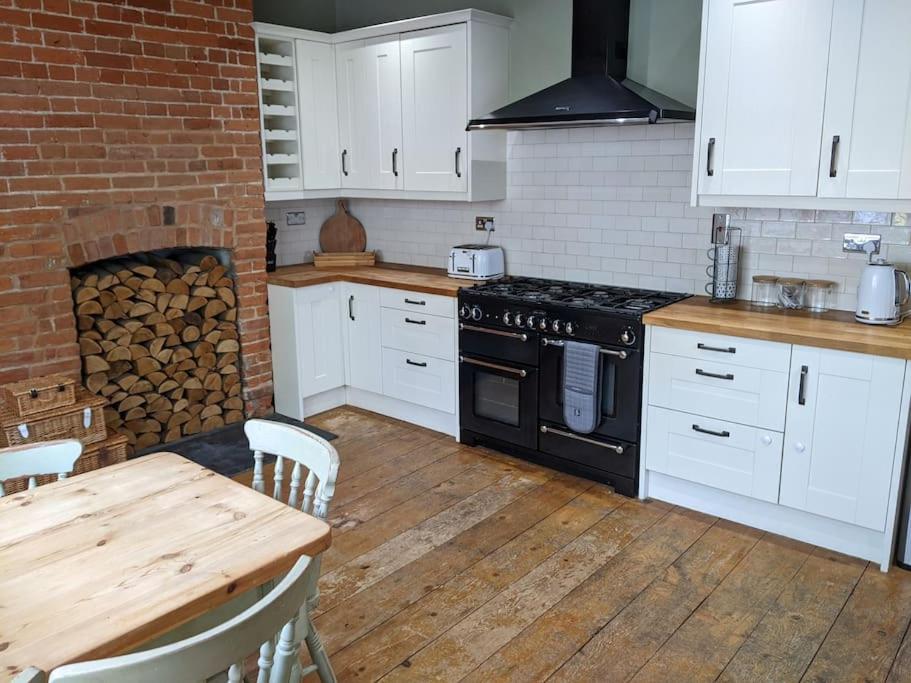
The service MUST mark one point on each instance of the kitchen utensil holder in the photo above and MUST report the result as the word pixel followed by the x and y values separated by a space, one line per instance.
pixel 723 269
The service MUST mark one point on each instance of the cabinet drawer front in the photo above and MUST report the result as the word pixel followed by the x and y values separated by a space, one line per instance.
pixel 750 353
pixel 417 302
pixel 430 335
pixel 412 377
pixel 728 456
pixel 727 392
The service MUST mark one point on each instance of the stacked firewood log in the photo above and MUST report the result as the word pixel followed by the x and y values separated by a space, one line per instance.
pixel 158 339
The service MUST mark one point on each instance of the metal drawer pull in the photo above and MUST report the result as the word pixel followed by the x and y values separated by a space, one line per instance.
pixel 345 161
pixel 395 164
pixel 703 373
pixel 833 159
pixel 622 355
pixel 415 363
pixel 802 389
pixel 500 333
pixel 458 166
pixel 559 432
pixel 415 303
pixel 351 307
pixel 718 349
pixel 492 366
pixel 710 158
pixel 415 322
pixel 697 428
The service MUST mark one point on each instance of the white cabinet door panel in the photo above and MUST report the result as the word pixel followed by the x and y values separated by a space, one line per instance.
pixel 318 114
pixel 431 335
pixel 351 83
pixel 361 316
pixel 382 118
pixel 867 130
pixel 843 412
pixel 418 302
pixel 763 96
pixel 435 108
pixel 716 453
pixel 728 392
pixel 319 332
pixel 426 381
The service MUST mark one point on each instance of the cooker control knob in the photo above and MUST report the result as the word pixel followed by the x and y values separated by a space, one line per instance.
pixel 570 329
pixel 464 311
pixel 519 319
pixel 476 313
pixel 507 318
pixel 531 321
pixel 628 336
pixel 542 324
pixel 556 325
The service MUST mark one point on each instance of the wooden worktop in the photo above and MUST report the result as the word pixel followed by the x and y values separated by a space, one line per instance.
pixel 397 276
pixel 831 330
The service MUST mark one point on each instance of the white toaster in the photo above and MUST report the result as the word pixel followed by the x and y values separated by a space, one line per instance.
pixel 476 261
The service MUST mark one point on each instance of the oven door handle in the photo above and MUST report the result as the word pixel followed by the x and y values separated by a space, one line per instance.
pixel 493 366
pixel 622 355
pixel 569 435
pixel 521 336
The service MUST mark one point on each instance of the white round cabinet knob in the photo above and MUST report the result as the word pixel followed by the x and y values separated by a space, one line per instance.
pixel 766 440
pixel 799 447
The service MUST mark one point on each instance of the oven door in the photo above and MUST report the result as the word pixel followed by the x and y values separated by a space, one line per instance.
pixel 621 389
pixel 499 399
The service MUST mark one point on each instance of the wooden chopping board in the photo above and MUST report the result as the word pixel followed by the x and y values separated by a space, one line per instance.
pixel 342 232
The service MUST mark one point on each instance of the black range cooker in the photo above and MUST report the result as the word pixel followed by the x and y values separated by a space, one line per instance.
pixel 511 337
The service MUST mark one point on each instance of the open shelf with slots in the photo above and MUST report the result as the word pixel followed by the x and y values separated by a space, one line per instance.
pixel 278 109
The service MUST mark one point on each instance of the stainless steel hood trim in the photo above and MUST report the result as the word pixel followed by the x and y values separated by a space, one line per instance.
pixel 531 125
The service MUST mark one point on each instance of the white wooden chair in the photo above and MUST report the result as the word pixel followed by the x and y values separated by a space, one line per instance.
pixel 304 451
pixel 32 460
pixel 204 656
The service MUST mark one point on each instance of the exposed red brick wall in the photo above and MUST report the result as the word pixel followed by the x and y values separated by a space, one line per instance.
pixel 109 112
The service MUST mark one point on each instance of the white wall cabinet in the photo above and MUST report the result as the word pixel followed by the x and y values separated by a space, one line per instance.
pixel 840 439
pixel 435 108
pixel 804 442
pixel 804 104
pixel 362 324
pixel 404 93
pixel 318 118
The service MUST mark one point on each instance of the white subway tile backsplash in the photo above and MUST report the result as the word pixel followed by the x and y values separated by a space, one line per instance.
pixel 608 205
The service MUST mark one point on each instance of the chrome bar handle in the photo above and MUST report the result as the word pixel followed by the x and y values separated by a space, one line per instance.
pixel 833 158
pixel 458 166
pixel 492 366
pixel 521 336
pixel 710 158
pixel 559 432
pixel 622 355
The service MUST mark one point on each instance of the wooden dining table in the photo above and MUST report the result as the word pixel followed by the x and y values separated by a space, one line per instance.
pixel 101 563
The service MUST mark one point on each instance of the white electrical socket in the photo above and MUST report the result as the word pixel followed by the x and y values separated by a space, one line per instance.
pixel 295 218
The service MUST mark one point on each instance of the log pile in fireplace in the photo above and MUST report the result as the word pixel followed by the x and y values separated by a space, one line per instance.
pixel 158 339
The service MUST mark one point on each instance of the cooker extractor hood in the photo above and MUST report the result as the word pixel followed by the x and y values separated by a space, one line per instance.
pixel 598 92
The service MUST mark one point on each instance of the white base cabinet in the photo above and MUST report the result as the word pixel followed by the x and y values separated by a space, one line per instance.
pixel 810 443
pixel 386 350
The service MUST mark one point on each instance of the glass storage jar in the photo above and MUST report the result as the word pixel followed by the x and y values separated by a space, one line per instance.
pixel 819 295
pixel 765 290
pixel 790 292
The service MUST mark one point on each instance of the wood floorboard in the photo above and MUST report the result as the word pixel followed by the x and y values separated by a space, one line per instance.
pixel 462 564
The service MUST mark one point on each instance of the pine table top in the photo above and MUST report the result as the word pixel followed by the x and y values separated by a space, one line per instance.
pixel 97 564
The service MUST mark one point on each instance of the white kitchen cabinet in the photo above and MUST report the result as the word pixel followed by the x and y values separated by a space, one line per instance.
pixel 867 130
pixel 318 329
pixel 840 440
pixel 404 92
pixel 763 96
pixel 318 117
pixel 435 108
pixel 422 380
pixel 361 320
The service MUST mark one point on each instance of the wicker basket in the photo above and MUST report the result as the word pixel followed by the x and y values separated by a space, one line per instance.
pixel 67 422
pixel 36 395
pixel 108 452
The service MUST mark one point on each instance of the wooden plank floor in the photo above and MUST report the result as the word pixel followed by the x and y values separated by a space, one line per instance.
pixel 451 563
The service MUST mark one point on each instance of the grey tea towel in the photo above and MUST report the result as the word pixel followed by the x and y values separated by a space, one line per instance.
pixel 581 386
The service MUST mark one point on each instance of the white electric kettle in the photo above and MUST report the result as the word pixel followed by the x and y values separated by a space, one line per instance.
pixel 883 294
